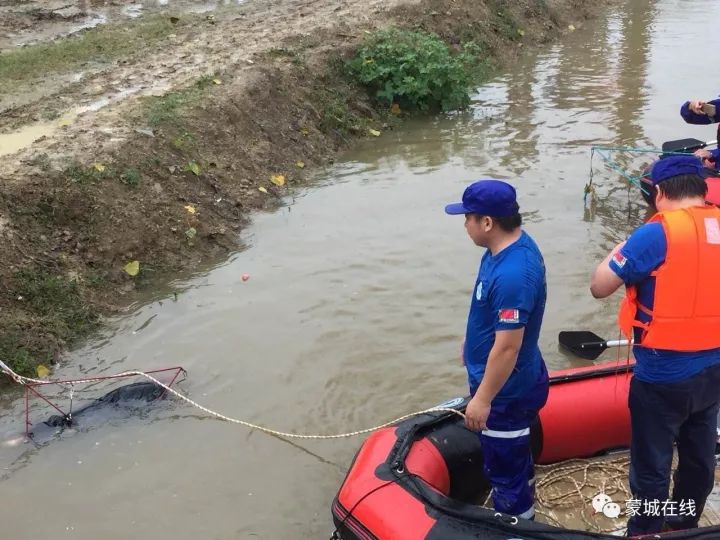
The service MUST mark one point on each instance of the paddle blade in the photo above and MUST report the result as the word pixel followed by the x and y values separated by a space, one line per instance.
pixel 683 145
pixel 583 343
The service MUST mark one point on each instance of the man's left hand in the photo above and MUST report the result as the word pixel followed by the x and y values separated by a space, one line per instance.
pixel 476 414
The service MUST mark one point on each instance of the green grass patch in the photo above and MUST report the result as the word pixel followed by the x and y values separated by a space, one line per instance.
pixel 167 108
pixel 101 44
pixel 96 279
pixel 507 26
pixel 336 115
pixel 85 175
pixel 131 177
pixel 417 70
pixel 182 141
pixel 289 54
pixel 16 356
pixel 49 312
pixel 277 52
pixel 56 301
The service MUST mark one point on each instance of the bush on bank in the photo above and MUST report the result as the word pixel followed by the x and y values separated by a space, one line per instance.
pixel 417 70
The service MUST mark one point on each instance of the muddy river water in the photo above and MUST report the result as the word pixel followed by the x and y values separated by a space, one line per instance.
pixel 358 289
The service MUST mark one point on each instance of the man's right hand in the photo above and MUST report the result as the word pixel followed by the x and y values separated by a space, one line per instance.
pixel 705 156
pixel 696 106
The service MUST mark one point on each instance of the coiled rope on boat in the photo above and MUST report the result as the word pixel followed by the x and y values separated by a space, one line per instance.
pixel 558 487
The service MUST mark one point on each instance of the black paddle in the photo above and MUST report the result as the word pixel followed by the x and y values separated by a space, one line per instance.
pixel 685 145
pixel 587 344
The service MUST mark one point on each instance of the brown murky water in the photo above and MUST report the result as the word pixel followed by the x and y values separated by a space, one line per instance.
pixel 25 136
pixel 357 297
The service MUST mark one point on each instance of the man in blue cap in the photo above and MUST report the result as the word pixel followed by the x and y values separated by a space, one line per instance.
pixel 671 310
pixel 506 371
pixel 701 112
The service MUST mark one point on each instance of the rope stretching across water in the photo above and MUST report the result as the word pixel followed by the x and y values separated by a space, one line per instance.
pixel 615 166
pixel 545 500
pixel 605 154
pixel 25 380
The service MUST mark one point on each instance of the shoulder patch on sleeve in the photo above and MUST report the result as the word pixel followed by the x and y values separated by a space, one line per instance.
pixel 619 259
pixel 509 315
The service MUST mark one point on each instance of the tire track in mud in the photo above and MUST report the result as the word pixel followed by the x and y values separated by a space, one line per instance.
pixel 230 40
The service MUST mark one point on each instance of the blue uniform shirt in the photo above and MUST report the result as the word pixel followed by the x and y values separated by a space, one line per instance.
pixel 644 251
pixel 510 293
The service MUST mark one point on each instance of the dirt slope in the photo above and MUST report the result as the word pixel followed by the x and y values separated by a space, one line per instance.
pixel 156 145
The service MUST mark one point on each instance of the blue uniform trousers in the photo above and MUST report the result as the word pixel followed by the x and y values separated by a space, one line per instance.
pixel 508 462
pixel 685 413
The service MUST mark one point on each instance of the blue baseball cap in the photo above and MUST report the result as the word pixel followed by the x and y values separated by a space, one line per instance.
pixel 674 166
pixel 488 197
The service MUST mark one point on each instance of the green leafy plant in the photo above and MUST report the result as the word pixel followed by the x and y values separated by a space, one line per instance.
pixel 417 70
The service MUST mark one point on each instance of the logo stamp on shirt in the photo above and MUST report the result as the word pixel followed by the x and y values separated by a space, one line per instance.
pixel 478 291
pixel 619 259
pixel 509 315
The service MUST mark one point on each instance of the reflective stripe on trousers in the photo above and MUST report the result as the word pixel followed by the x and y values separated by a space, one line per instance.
pixel 509 468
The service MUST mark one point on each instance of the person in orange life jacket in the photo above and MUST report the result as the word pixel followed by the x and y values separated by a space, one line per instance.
pixel 672 311
pixel 507 375
pixel 700 112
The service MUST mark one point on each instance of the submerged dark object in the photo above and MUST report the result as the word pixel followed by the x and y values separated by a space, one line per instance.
pixel 146 391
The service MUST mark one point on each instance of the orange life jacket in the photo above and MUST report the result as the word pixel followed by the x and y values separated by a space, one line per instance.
pixel 686 307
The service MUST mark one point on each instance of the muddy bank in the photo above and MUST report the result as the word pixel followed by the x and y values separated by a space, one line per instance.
pixel 34 21
pixel 121 198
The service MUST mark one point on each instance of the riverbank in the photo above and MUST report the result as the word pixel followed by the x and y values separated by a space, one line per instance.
pixel 154 156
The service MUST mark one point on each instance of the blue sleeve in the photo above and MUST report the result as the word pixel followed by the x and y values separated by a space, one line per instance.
pixel 511 300
pixel 715 156
pixel 644 251
pixel 693 118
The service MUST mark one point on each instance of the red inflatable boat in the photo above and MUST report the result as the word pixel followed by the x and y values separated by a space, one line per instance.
pixel 712 179
pixel 423 479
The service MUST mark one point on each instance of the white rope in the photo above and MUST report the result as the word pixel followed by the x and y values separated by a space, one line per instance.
pixel 24 380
